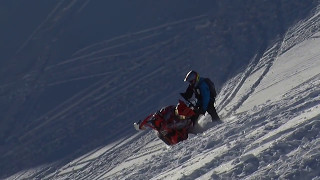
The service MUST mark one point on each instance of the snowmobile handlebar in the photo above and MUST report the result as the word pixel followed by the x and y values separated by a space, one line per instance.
pixel 190 103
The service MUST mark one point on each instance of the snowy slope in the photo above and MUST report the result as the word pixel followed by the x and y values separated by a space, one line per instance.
pixel 271 114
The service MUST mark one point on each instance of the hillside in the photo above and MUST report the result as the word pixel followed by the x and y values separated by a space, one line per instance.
pixel 76 74
pixel 271 123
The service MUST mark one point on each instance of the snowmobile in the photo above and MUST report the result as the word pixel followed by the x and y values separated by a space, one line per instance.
pixel 172 123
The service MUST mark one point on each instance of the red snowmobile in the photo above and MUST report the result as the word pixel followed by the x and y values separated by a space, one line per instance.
pixel 172 123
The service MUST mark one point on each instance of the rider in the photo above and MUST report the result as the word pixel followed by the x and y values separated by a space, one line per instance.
pixel 201 88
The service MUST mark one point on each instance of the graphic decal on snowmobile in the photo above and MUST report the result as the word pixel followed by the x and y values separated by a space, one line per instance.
pixel 172 123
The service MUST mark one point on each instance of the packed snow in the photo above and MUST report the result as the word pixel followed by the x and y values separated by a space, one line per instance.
pixel 270 129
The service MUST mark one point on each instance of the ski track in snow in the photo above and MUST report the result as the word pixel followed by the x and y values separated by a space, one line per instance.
pixel 271 115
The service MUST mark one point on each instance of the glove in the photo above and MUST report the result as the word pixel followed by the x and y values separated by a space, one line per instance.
pixel 201 111
pixel 184 96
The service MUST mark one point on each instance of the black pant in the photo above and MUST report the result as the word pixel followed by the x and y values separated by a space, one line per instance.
pixel 212 111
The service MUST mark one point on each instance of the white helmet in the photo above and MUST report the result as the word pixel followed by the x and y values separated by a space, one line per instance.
pixel 192 77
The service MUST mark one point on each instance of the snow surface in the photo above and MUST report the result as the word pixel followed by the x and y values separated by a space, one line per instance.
pixel 270 129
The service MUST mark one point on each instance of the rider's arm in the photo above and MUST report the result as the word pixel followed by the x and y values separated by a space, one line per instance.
pixel 189 92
